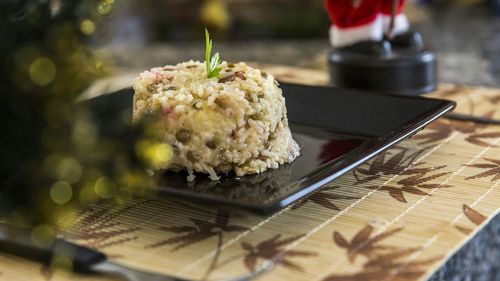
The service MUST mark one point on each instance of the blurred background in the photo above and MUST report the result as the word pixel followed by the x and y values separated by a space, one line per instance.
pixel 53 50
pixel 141 34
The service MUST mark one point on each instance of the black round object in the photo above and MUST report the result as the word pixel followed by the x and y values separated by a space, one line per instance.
pixel 398 66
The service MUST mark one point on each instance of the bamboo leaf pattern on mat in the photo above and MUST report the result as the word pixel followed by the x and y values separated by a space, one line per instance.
pixel 272 249
pixel 382 262
pixel 324 198
pixel 474 216
pixel 389 163
pixel 442 129
pixel 399 161
pixel 417 180
pixel 480 139
pixel 495 99
pixel 492 169
pixel 490 114
pixel 197 231
pixel 99 229
pixel 363 243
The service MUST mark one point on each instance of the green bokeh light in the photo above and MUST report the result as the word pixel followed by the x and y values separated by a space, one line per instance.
pixel 42 71
pixel 61 192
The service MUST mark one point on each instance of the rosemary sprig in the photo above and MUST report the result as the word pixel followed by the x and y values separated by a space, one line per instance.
pixel 212 63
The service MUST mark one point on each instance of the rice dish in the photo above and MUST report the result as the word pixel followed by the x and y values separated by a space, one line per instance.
pixel 235 122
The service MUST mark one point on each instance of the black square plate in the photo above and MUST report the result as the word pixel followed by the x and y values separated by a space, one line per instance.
pixel 337 130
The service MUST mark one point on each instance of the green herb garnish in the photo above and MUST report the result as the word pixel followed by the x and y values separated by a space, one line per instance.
pixel 212 63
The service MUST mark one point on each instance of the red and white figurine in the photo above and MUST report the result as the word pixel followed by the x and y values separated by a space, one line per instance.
pixel 362 20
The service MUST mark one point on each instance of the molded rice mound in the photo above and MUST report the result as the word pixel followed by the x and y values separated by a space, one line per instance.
pixel 236 122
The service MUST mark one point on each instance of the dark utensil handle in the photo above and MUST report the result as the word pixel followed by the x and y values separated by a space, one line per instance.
pixel 475 119
pixel 18 241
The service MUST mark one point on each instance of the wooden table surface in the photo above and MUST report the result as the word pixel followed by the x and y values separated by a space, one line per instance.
pixel 398 217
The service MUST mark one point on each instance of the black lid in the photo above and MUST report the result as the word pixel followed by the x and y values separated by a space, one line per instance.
pixel 399 66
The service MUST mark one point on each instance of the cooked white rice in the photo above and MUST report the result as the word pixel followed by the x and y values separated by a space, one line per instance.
pixel 234 123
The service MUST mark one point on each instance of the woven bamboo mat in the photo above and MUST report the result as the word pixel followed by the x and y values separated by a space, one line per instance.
pixel 398 217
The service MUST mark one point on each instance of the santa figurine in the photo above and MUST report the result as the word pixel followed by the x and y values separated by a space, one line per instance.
pixel 375 51
pixel 364 20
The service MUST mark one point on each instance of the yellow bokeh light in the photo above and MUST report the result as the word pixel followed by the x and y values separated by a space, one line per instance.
pixel 87 194
pixel 155 154
pixel 215 14
pixel 42 71
pixel 65 215
pixel 99 65
pixel 68 169
pixel 104 7
pixel 87 27
pixel 61 192
pixel 42 235
pixel 162 154
pixel 104 187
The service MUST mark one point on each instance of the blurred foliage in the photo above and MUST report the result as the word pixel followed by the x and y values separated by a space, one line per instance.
pixel 214 14
pixel 168 20
pixel 52 153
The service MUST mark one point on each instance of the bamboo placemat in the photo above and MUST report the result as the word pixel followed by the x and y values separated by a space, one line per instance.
pixel 398 217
